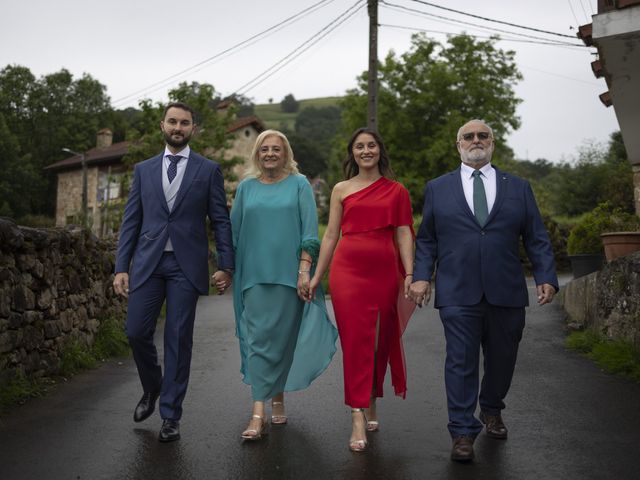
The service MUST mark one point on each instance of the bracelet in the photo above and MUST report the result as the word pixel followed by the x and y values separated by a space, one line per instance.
pixel 303 271
pixel 305 260
pixel 408 275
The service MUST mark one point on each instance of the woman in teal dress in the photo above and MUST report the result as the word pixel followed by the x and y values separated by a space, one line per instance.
pixel 285 343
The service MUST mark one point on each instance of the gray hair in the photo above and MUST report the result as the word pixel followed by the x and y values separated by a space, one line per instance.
pixel 459 136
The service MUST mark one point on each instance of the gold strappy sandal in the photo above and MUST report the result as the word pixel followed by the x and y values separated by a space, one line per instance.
pixel 278 419
pixel 358 445
pixel 254 434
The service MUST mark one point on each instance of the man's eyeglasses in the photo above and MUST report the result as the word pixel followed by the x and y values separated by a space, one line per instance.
pixel 468 137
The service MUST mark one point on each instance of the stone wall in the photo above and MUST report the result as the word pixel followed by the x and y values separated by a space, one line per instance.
pixel 608 300
pixel 55 287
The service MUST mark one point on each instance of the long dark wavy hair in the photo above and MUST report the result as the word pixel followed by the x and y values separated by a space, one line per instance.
pixel 349 165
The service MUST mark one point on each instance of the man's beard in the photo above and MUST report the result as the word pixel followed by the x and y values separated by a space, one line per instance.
pixel 176 143
pixel 477 156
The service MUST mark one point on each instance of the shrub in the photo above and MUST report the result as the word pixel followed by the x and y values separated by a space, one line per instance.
pixel 584 237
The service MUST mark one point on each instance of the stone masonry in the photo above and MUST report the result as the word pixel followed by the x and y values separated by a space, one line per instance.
pixel 55 287
pixel 607 300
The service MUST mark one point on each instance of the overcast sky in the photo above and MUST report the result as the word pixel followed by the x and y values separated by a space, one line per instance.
pixel 131 45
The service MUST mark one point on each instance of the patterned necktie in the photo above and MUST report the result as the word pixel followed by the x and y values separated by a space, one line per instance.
pixel 173 166
pixel 480 209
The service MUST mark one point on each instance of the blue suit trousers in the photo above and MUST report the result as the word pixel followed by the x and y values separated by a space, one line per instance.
pixel 166 282
pixel 497 330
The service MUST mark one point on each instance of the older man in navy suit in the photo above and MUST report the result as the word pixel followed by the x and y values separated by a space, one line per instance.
pixel 473 220
pixel 163 254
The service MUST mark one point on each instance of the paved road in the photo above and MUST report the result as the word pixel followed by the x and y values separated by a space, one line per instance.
pixel 567 420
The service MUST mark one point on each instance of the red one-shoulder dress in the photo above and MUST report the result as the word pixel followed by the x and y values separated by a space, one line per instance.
pixel 366 281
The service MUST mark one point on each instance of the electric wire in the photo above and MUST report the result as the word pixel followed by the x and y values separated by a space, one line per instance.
pixel 493 20
pixel 448 20
pixel 574 13
pixel 584 11
pixel 300 49
pixel 237 47
pixel 500 38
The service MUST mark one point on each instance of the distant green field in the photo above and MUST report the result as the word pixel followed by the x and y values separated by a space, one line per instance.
pixel 273 117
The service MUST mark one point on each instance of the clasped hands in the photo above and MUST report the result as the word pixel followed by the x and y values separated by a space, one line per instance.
pixel 418 291
pixel 221 280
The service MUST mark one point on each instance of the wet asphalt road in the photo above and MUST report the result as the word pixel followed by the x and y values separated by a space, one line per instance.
pixel 567 419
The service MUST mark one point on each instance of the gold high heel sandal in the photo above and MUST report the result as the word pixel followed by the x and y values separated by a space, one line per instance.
pixel 372 425
pixel 278 419
pixel 255 434
pixel 358 445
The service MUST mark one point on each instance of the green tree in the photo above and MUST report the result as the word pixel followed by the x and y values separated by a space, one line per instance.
pixel 289 104
pixel 44 115
pixel 311 158
pixel 315 129
pixel 211 138
pixel 598 174
pixel 426 94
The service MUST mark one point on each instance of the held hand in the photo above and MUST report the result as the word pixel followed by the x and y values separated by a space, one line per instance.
pixel 420 292
pixel 407 284
pixel 303 286
pixel 545 293
pixel 221 280
pixel 313 285
pixel 121 284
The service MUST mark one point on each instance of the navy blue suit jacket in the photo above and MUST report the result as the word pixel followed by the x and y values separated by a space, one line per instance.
pixel 148 223
pixel 471 261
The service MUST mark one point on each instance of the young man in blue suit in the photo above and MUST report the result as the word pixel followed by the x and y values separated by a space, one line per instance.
pixel 163 254
pixel 473 220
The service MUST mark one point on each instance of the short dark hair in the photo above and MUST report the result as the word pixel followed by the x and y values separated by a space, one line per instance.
pixel 349 165
pixel 181 106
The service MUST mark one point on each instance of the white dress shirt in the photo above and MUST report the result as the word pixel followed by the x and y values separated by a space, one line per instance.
pixel 171 188
pixel 488 179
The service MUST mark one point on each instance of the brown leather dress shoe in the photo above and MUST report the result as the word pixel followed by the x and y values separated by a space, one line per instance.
pixel 494 426
pixel 462 450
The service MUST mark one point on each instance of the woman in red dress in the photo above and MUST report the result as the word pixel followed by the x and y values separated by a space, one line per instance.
pixel 370 276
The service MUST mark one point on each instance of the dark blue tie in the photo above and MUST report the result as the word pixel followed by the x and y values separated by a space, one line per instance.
pixel 172 171
pixel 480 209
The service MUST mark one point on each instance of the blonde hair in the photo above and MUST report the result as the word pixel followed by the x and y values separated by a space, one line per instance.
pixel 255 170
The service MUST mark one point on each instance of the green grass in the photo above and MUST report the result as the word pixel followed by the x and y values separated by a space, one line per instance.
pixel 19 389
pixel 274 117
pixel 110 341
pixel 613 356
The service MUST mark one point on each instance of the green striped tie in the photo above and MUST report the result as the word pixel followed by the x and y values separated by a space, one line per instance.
pixel 479 199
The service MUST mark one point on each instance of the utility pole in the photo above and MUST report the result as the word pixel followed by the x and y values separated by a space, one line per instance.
pixel 372 113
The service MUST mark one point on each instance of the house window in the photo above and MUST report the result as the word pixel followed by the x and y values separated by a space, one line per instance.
pixel 108 186
pixel 247 133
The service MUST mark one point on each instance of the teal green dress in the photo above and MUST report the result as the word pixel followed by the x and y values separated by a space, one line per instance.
pixel 285 343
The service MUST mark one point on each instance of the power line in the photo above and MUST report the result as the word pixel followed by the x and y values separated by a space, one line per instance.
pixel 243 44
pixel 475 25
pixel 574 13
pixel 300 49
pixel 583 10
pixel 493 20
pixel 503 39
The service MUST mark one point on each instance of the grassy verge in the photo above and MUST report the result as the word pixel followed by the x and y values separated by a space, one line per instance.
pixel 110 341
pixel 613 356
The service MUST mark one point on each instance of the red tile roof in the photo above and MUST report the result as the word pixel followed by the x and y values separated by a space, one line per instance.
pixel 115 152
pixel 95 156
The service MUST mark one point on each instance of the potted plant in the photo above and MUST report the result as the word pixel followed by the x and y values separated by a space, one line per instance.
pixel 584 246
pixel 623 237
pixel 585 243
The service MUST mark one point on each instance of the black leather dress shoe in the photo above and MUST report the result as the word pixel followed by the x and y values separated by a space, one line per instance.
pixel 494 426
pixel 170 431
pixel 462 450
pixel 146 406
